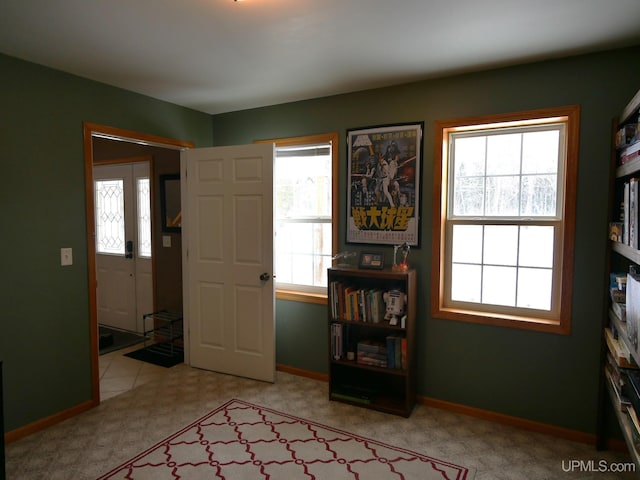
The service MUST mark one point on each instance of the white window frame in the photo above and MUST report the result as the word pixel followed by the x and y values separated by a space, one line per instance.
pixel 305 293
pixel 557 319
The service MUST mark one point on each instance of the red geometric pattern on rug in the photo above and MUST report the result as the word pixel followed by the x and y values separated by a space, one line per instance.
pixel 240 440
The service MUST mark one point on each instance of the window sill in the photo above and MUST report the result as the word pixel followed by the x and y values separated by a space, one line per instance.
pixel 317 298
pixel 510 321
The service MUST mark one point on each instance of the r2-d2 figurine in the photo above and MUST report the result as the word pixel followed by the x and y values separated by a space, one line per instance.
pixel 395 301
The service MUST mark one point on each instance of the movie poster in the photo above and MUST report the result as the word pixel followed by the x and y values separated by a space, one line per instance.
pixel 383 202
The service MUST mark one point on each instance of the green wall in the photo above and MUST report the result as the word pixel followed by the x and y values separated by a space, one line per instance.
pixel 44 324
pixel 537 376
pixel 44 334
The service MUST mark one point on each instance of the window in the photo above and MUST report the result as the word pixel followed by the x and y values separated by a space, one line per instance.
pixel 110 216
pixel 114 213
pixel 305 212
pixel 144 217
pixel 504 219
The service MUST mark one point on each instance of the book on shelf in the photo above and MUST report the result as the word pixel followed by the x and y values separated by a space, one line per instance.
pixel 354 393
pixel 366 359
pixel 333 297
pixel 372 353
pixel 622 401
pixel 625 214
pixel 404 351
pixel 631 387
pixel 354 304
pixel 340 340
pixel 635 427
pixel 618 378
pixel 630 214
pixel 349 304
pixel 633 310
pixel 618 287
pixel 350 398
pixel 618 293
pixel 633 213
pixel 627 154
pixel 618 296
pixel 340 300
pixel 391 351
pixel 336 341
pixel 377 306
pixel 618 349
pixel 620 310
pixel 371 346
pixel 395 357
pixel 626 135
pixel 618 373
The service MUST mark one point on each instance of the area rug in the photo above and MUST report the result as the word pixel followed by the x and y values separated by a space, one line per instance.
pixel 240 440
pixel 158 356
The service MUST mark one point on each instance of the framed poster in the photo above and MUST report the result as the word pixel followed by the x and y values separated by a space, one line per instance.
pixel 383 198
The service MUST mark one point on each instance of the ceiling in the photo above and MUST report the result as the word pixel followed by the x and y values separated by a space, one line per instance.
pixel 223 55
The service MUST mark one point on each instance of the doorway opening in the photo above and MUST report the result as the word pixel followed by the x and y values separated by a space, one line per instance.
pixel 104 145
pixel 124 252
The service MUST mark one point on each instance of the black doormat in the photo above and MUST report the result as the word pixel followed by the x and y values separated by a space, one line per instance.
pixel 111 339
pixel 151 355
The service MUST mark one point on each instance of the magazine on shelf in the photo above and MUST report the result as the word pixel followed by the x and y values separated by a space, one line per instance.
pixel 633 310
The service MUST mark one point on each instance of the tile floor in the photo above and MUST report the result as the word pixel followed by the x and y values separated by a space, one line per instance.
pixel 119 374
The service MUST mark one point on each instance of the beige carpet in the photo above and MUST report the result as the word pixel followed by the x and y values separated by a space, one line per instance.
pixel 89 445
pixel 241 440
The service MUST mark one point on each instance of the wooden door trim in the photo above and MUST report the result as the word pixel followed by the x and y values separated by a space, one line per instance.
pixel 89 131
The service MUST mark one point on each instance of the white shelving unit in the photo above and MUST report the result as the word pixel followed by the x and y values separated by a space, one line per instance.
pixel 616 342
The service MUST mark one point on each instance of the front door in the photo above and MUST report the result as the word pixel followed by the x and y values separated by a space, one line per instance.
pixel 123 245
pixel 227 228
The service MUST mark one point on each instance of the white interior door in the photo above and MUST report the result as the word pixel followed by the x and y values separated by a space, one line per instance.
pixel 123 245
pixel 227 228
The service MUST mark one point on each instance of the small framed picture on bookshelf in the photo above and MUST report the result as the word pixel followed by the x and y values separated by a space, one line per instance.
pixel 372 260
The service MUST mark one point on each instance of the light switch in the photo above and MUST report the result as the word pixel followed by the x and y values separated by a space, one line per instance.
pixel 66 257
pixel 166 241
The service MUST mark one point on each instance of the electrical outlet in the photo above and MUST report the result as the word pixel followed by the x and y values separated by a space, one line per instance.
pixel 66 257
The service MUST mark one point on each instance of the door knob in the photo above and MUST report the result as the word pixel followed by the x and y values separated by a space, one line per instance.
pixel 265 276
pixel 129 248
